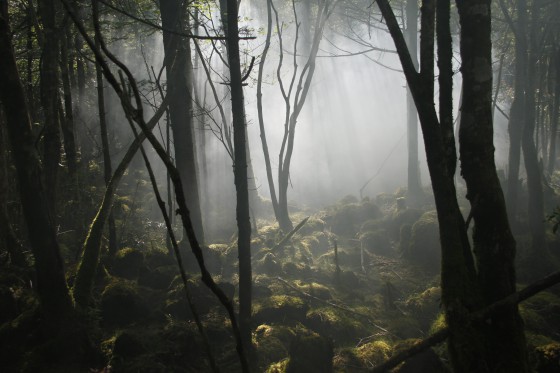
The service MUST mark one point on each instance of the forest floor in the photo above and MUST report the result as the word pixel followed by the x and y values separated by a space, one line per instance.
pixel 356 284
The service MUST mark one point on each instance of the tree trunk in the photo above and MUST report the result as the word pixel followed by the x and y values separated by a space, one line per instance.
pixel 493 242
pixel 51 282
pixel 179 86
pixel 554 116
pixel 68 122
pixel 530 156
pixel 240 176
pixel 8 241
pixel 49 99
pixel 107 167
pixel 414 184
pixel 517 112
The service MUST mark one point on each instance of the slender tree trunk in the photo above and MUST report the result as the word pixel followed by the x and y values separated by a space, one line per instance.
pixel 414 184
pixel 179 85
pixel 107 166
pixel 240 175
pixel 67 123
pixel 517 112
pixel 554 116
pixel 49 99
pixel 8 241
pixel 494 245
pixel 530 155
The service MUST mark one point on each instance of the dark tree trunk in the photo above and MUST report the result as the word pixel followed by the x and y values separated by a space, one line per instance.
pixel 107 167
pixel 530 155
pixel 51 282
pixel 414 184
pixel 517 113
pixel 240 176
pixel 554 115
pixel 462 291
pixel 67 123
pixel 493 242
pixel 49 99
pixel 8 241
pixel 179 85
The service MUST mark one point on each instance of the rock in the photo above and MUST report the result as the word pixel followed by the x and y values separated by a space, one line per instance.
pixel 127 263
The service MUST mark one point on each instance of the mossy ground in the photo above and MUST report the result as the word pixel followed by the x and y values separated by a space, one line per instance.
pixel 384 297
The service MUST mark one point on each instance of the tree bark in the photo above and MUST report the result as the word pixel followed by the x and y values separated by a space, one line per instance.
pixel 240 175
pixel 530 155
pixel 179 88
pixel 51 281
pixel 493 242
pixel 107 167
pixel 414 185
pixel 49 99
pixel 517 113
pixel 67 123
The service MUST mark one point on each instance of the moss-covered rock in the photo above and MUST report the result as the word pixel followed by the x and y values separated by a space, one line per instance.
pixel 121 303
pixel 268 265
pixel 272 343
pixel 159 278
pixel 310 352
pixel 335 324
pixel 425 306
pixel 400 218
pixel 547 358
pixel 280 309
pixel 346 361
pixel 347 218
pixel 127 263
pixel 425 362
pixel 312 226
pixel 377 242
pixel 373 353
pixel 425 247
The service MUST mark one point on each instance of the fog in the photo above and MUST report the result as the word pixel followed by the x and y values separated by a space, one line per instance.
pixel 352 127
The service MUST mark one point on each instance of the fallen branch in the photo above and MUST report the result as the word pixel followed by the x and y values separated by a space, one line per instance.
pixel 479 316
pixel 290 235
pixel 343 308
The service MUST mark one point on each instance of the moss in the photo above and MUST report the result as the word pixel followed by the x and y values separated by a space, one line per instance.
pixel 438 324
pixel 271 344
pixel 372 225
pixel 299 270
pixel 280 308
pixel 404 326
pixel 335 324
pixel 315 289
pixel 313 225
pixel 426 361
pixel 346 361
pixel 377 242
pixel 425 306
pixel 310 352
pixel 547 358
pixel 347 218
pixel 373 353
pixel 400 218
pixel 121 303
pixel 127 263
pixel 268 265
pixel 425 246
pixel 279 367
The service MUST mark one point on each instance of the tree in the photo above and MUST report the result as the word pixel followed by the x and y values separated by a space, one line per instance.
pixel 294 101
pixel 180 85
pixel 414 184
pixel 240 174
pixel 49 98
pixel 466 288
pixel 58 317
